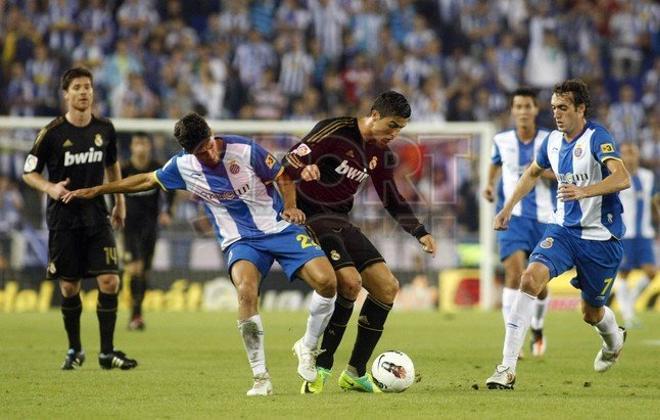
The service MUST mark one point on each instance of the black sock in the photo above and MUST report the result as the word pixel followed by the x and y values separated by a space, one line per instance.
pixel 138 288
pixel 370 328
pixel 71 310
pixel 334 331
pixel 106 311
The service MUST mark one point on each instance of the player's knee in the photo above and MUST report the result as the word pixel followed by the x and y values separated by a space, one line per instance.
pixel 530 283
pixel 349 287
pixel 108 283
pixel 69 288
pixel 389 289
pixel 591 317
pixel 512 278
pixel 247 294
pixel 326 283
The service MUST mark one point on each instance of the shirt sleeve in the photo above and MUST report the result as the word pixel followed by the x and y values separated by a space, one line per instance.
pixel 542 158
pixel 396 205
pixel 111 150
pixel 36 159
pixel 603 146
pixel 496 158
pixel 307 151
pixel 169 177
pixel 265 165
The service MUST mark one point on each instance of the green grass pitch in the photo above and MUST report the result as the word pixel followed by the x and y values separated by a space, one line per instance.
pixel 192 365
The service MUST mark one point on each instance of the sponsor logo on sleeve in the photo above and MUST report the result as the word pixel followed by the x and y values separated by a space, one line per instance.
pixel 30 163
pixel 607 148
pixel 270 161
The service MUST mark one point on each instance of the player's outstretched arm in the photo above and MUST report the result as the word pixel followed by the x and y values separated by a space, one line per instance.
pixel 135 183
pixel 525 184
pixel 38 182
pixel 617 180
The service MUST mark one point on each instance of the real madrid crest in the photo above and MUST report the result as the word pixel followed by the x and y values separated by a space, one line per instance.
pixel 98 140
pixel 51 268
pixel 547 243
pixel 373 163
pixel 334 255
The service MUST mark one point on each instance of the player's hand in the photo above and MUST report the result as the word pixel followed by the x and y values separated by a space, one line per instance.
pixel 310 173
pixel 57 191
pixel 428 244
pixel 118 216
pixel 293 215
pixel 489 193
pixel 569 192
pixel 83 193
pixel 501 221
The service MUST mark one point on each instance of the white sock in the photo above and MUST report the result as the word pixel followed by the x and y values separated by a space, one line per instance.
pixel 320 311
pixel 516 328
pixel 540 309
pixel 252 333
pixel 507 299
pixel 639 288
pixel 626 303
pixel 609 330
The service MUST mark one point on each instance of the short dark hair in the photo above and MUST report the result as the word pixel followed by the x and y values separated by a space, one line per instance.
pixel 74 73
pixel 523 91
pixel 391 104
pixel 141 134
pixel 580 92
pixel 190 131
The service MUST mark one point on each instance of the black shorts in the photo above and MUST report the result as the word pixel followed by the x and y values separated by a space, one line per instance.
pixel 139 244
pixel 343 243
pixel 75 254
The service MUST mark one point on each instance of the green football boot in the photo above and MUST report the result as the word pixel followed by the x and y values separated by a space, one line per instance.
pixel 365 383
pixel 316 387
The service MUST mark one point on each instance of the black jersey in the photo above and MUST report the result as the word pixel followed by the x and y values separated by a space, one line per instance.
pixel 345 161
pixel 80 154
pixel 142 208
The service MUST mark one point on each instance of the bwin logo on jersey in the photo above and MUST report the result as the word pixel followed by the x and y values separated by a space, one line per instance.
pixel 571 178
pixel 350 172
pixel 81 158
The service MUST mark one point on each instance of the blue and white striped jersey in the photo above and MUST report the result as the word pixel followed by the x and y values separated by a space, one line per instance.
pixel 582 162
pixel 637 205
pixel 238 194
pixel 514 157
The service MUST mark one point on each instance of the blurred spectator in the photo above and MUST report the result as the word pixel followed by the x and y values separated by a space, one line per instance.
pixel 626 116
pixel 11 204
pixel 546 62
pixel 296 68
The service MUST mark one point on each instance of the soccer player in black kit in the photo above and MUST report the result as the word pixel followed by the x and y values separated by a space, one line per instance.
pixel 345 152
pixel 78 149
pixel 143 215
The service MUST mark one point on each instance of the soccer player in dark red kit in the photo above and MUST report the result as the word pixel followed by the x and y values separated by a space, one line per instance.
pixel 345 152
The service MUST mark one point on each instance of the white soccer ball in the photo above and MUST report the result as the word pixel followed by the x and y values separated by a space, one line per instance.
pixel 393 371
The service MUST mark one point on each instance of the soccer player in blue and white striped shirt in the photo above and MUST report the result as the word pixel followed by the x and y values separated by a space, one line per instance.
pixel 513 151
pixel 638 240
pixel 254 225
pixel 585 233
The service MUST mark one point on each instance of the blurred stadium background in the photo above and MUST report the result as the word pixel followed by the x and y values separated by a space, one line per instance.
pixel 271 68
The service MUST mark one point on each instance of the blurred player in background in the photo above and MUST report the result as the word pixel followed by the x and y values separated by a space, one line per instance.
pixel 638 202
pixel 513 151
pixel 143 215
pixel 253 224
pixel 346 151
pixel 78 149
pixel 585 159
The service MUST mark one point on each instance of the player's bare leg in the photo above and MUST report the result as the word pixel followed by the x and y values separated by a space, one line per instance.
pixel 106 312
pixel 318 273
pixel 246 277
pixel 383 287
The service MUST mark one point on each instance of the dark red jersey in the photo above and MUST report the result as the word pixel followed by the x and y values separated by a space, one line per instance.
pixel 345 161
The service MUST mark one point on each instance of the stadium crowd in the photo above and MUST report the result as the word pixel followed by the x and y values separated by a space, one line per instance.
pixel 309 59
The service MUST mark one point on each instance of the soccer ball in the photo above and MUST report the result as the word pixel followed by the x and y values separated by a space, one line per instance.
pixel 393 371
